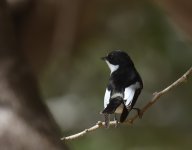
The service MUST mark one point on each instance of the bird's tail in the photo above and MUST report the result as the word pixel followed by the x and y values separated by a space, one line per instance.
pixel 110 109
pixel 112 106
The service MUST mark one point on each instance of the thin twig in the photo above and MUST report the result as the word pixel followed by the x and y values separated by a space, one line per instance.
pixel 154 99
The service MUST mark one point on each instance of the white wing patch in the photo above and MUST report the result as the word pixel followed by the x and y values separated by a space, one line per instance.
pixel 107 98
pixel 130 92
pixel 128 95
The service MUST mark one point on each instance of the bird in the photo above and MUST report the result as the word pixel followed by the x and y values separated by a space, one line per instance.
pixel 124 86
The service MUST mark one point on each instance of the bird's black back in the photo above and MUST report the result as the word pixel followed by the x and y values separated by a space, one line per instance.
pixel 124 77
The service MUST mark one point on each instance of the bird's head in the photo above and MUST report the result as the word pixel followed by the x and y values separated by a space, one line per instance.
pixel 116 59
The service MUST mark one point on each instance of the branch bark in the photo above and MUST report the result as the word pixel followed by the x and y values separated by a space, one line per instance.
pixel 155 98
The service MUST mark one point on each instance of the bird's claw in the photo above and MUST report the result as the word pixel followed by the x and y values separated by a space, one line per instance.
pixel 106 116
pixel 139 112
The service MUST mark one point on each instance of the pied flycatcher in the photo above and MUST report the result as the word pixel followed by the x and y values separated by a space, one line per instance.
pixel 124 87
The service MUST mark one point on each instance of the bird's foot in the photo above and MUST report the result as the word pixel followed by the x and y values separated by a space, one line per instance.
pixel 116 121
pixel 107 120
pixel 140 114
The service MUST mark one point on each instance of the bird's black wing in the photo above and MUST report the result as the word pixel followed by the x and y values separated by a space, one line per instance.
pixel 135 97
pixel 133 89
pixel 124 114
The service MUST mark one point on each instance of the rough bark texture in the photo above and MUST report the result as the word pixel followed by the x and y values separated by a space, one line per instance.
pixel 25 122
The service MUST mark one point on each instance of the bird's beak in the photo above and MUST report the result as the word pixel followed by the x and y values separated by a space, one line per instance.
pixel 103 58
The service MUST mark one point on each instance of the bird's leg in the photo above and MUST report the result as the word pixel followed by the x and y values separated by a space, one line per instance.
pixel 107 120
pixel 140 114
pixel 115 119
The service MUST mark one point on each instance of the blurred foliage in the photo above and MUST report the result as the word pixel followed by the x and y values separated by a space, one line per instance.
pixel 74 90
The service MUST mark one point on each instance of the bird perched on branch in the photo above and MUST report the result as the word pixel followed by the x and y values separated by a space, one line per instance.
pixel 124 87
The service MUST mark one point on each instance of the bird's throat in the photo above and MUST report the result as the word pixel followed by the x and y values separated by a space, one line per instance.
pixel 112 67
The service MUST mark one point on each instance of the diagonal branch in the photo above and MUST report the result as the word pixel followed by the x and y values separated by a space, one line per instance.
pixel 154 99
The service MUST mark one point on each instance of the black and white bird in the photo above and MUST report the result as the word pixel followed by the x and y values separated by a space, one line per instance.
pixel 124 87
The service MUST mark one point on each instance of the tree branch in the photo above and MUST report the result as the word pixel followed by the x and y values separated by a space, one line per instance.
pixel 154 99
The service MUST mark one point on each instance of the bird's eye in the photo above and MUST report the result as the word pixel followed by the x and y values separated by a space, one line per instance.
pixel 111 56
